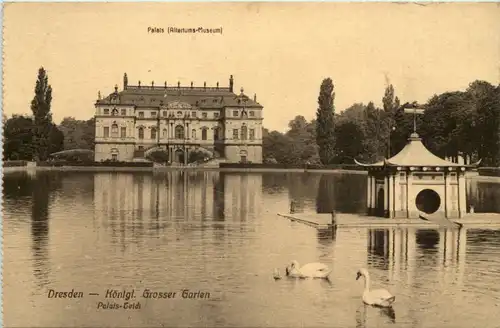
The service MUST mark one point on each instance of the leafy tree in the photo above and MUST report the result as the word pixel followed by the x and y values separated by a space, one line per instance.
pixel 325 125
pixel 78 134
pixel 18 138
pixel 56 139
pixel 349 142
pixel 42 118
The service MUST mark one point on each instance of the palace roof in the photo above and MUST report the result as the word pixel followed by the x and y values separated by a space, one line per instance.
pixel 199 97
pixel 414 154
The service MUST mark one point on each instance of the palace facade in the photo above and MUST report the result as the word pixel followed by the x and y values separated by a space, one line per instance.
pixel 179 120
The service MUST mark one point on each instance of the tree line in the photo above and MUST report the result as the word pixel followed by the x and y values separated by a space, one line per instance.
pixel 459 123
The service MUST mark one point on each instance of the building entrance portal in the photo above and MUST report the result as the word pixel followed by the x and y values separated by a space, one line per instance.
pixel 179 156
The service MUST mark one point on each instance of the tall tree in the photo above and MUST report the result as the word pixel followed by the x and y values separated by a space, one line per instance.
pixel 42 118
pixel 325 125
pixel 391 105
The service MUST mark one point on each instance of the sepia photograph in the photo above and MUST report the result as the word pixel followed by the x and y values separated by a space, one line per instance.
pixel 251 164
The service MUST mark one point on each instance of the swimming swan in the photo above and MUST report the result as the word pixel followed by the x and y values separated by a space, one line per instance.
pixel 310 270
pixel 376 297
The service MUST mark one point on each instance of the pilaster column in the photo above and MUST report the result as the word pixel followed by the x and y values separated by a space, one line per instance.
pixel 386 195
pixel 462 199
pixel 369 203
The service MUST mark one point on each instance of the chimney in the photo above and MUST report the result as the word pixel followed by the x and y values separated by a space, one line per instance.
pixel 231 83
pixel 255 97
pixel 139 84
pixel 125 81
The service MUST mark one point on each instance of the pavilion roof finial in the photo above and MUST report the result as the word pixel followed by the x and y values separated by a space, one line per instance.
pixel 414 109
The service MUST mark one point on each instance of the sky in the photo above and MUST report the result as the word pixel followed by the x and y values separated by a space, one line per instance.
pixel 279 51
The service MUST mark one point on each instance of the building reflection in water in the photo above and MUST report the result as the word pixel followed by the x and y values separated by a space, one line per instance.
pixel 132 205
pixel 399 250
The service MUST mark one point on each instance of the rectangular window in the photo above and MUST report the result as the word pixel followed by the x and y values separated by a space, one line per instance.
pixel 216 115
pixel 252 134
pixel 106 132
pixel 235 134
pixel 123 132
pixel 106 111
pixel 141 114
pixel 153 114
pixel 235 113
pixel 193 114
pixel 252 113
pixel 124 112
pixel 165 113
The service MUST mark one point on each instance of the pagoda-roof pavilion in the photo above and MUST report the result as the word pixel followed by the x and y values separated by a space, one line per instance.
pixel 415 154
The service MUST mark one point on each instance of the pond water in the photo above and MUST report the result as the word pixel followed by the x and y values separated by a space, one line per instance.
pixel 218 233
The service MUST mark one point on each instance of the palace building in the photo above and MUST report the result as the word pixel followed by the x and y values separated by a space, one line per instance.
pixel 180 120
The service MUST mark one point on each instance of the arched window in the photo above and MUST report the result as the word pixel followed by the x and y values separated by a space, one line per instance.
pixel 141 133
pixel 153 133
pixel 179 132
pixel 216 133
pixel 193 133
pixel 244 132
pixel 204 133
pixel 164 133
pixel 114 130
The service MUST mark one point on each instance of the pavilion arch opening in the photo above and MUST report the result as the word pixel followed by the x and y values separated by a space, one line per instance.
pixel 428 201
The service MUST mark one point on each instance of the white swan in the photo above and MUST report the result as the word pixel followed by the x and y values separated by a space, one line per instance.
pixel 310 270
pixel 376 297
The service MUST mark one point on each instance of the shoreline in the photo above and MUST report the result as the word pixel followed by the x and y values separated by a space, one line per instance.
pixel 33 169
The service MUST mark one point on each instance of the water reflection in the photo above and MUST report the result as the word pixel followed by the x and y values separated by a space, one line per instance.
pixel 217 232
pixel 43 184
pixel 368 316
pixel 394 250
pixel 133 206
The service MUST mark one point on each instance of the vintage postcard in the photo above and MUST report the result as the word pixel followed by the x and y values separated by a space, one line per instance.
pixel 251 164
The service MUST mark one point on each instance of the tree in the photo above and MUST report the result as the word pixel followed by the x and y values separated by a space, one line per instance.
pixel 18 138
pixel 42 118
pixel 349 142
pixel 78 134
pixel 56 139
pixel 325 125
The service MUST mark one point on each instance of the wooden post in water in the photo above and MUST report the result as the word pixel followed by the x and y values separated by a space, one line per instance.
pixel 292 207
pixel 334 218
